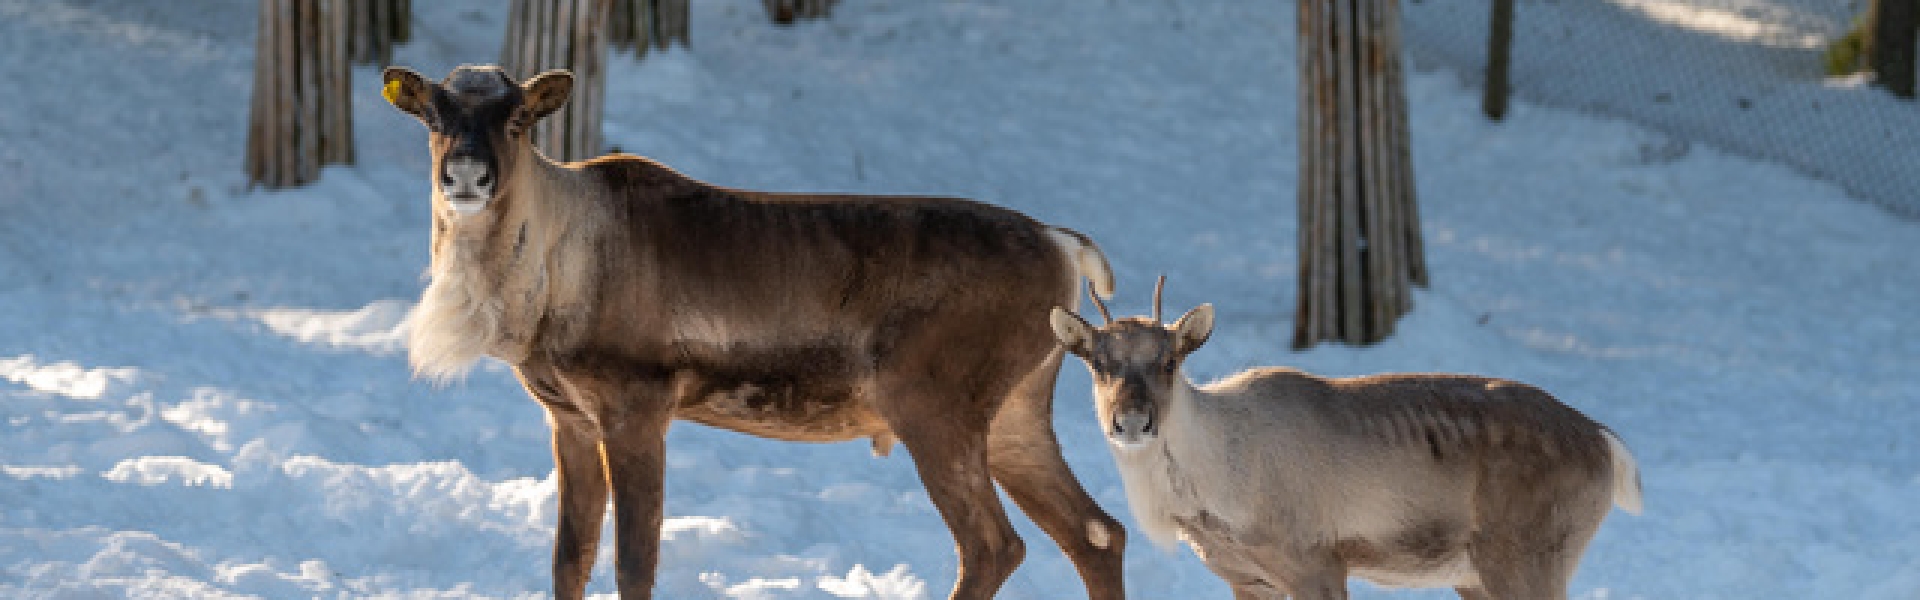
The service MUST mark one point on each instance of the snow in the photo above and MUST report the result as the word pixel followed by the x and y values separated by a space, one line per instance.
pixel 1742 75
pixel 204 395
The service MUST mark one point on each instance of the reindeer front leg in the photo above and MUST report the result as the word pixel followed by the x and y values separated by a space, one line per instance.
pixel 582 480
pixel 636 463
pixel 633 417
pixel 619 446
pixel 583 504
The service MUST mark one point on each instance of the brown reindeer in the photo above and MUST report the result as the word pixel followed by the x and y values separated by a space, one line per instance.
pixel 1285 483
pixel 626 295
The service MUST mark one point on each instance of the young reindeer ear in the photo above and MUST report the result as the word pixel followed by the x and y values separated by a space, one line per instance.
pixel 542 95
pixel 1193 329
pixel 1072 331
pixel 407 91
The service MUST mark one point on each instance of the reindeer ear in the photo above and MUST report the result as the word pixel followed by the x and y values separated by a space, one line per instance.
pixel 407 91
pixel 543 94
pixel 1193 329
pixel 1072 331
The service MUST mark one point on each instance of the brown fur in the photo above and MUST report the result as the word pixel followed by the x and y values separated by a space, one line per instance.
pixel 627 295
pixel 1287 483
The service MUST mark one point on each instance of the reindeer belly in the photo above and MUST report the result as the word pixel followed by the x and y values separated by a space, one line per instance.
pixel 782 408
pixel 1422 554
pixel 1456 570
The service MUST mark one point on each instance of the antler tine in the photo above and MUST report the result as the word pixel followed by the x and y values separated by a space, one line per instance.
pixel 1108 317
pixel 1157 287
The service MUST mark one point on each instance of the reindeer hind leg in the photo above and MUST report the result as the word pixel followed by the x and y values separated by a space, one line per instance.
pixel 1024 456
pixel 1533 548
pixel 950 455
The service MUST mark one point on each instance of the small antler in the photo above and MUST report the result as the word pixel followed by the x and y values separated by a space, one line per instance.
pixel 1157 286
pixel 1108 317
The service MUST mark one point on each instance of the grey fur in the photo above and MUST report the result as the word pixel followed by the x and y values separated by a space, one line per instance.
pixel 1287 483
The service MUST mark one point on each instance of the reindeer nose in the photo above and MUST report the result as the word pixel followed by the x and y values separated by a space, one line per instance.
pixel 1132 427
pixel 466 179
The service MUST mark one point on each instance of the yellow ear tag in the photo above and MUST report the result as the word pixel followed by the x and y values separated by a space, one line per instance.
pixel 391 91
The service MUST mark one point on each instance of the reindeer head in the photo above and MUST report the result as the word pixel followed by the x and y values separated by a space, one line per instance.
pixel 477 119
pixel 1135 364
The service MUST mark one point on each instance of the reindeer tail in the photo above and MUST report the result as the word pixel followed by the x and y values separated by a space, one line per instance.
pixel 1087 260
pixel 1626 475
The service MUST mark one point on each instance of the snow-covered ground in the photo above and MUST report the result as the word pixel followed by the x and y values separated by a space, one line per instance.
pixel 203 394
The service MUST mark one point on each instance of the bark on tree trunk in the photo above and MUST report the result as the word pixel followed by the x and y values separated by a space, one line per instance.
pixel 1890 44
pixel 1499 60
pixel 563 34
pixel 642 25
pixel 785 12
pixel 1360 247
pixel 377 26
pixel 301 116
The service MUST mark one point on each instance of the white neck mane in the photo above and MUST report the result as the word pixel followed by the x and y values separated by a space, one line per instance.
pixel 510 279
pixel 1159 490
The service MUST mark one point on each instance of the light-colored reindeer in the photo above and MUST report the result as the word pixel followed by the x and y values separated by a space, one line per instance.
pixel 1285 483
pixel 627 295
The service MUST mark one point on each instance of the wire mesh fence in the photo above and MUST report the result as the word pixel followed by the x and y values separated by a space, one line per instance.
pixel 1747 76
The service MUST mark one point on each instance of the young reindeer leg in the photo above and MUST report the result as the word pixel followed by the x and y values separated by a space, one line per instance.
pixel 583 485
pixel 1533 548
pixel 1304 574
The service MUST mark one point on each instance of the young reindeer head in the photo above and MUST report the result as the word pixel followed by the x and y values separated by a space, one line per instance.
pixel 477 120
pixel 1135 364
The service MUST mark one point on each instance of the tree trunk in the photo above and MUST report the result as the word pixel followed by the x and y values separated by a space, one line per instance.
pixel 1890 44
pixel 642 25
pixel 1499 60
pixel 671 22
pixel 563 34
pixel 630 26
pixel 301 116
pixel 378 26
pixel 1360 247
pixel 785 12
